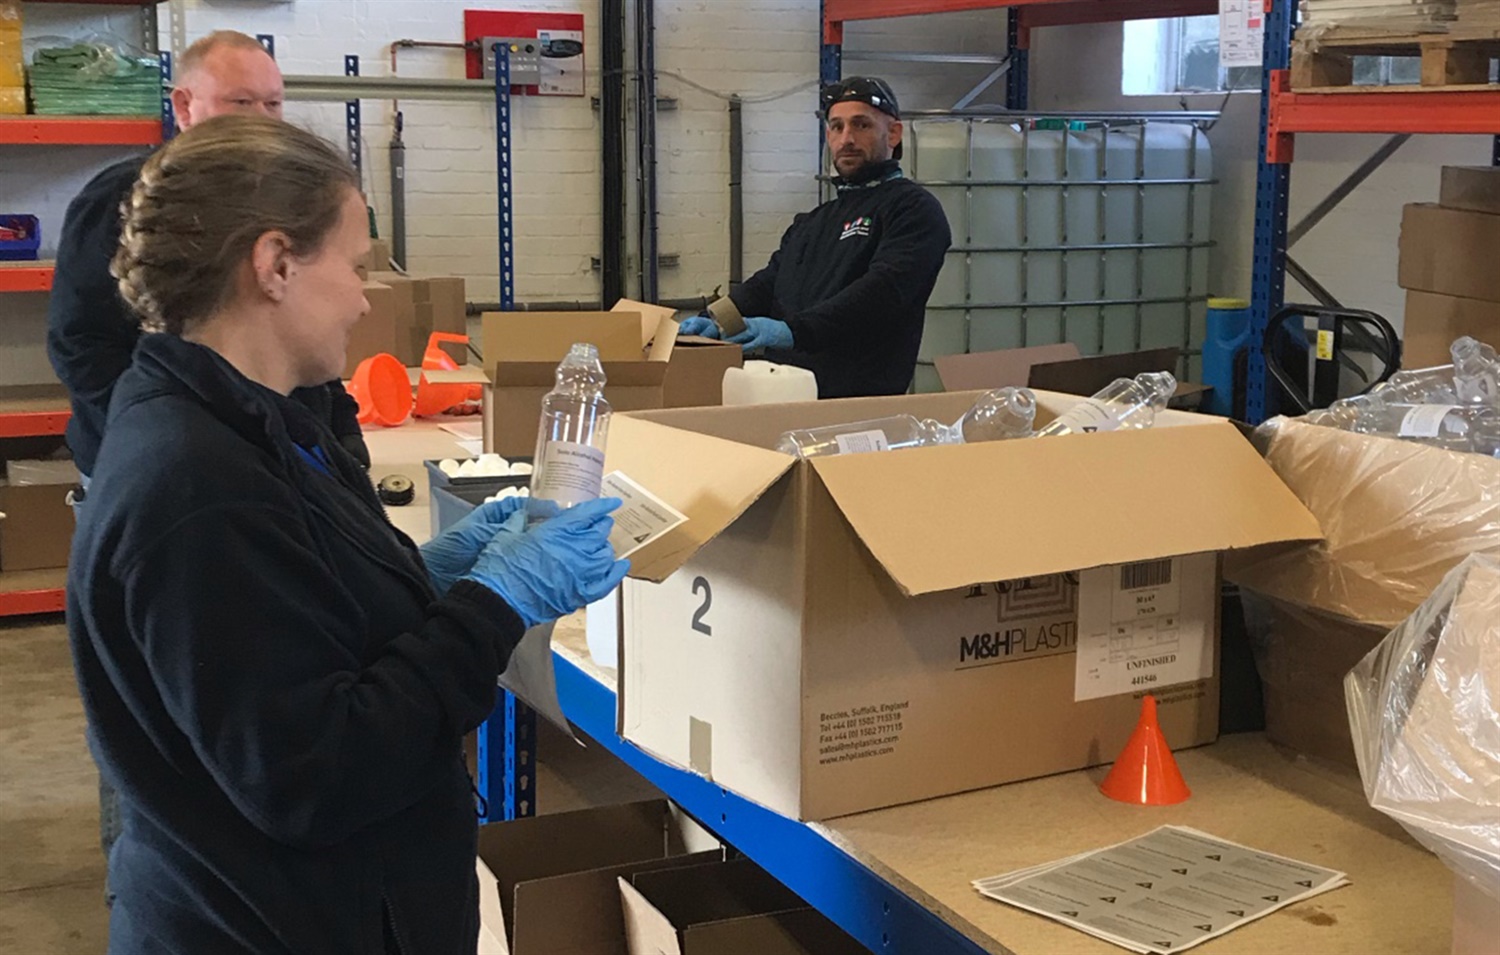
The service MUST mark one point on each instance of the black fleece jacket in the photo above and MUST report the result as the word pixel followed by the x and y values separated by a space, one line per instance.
pixel 91 332
pixel 851 279
pixel 270 682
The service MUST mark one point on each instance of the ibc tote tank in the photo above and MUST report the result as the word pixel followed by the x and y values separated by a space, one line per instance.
pixel 1085 186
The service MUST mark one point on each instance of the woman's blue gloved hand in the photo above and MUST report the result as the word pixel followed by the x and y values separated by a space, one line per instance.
pixel 550 569
pixel 452 553
pixel 698 325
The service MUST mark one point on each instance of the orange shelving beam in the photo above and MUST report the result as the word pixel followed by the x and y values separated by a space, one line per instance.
pixel 1030 13
pixel 1372 110
pixel 19 603
pixel 80 131
pixel 25 278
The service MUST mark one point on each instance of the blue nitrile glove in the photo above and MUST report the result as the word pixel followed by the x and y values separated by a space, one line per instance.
pixel 552 568
pixel 452 553
pixel 761 333
pixel 700 325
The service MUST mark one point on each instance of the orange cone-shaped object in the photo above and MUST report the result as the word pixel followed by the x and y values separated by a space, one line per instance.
pixel 1146 773
pixel 383 391
pixel 434 399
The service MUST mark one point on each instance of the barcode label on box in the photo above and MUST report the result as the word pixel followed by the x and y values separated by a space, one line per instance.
pixel 858 442
pixel 1149 573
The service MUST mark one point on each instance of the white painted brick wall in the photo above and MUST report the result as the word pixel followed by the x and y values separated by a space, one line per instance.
pixel 752 47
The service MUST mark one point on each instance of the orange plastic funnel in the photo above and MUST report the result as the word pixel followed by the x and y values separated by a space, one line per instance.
pixel 383 391
pixel 1146 772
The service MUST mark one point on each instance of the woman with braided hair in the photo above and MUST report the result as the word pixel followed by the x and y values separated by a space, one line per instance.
pixel 277 681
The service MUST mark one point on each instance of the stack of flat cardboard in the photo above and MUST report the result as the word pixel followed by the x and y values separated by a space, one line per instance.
pixel 1447 267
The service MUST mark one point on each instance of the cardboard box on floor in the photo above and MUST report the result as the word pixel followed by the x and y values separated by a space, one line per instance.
pixel 637 345
pixel 36 521
pixel 376 332
pixel 442 306
pixel 555 876
pixel 827 636
pixel 730 908
pixel 1396 517
pixel 1434 321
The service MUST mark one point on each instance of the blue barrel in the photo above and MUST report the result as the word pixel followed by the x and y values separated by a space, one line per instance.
pixel 1224 354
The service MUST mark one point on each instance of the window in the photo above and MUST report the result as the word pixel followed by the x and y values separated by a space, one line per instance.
pixel 1179 55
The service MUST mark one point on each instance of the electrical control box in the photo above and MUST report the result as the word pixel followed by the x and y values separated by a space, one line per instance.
pixel 525 58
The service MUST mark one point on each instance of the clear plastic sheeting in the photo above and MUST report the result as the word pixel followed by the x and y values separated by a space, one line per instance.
pixel 1424 709
pixel 1396 517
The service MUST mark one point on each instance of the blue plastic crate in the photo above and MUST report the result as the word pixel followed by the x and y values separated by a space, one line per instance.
pixel 25 248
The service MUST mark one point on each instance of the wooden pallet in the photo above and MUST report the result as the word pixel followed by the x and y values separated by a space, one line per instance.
pixel 1448 59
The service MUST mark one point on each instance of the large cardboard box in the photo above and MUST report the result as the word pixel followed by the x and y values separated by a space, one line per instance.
pixel 556 875
pixel 851 632
pixel 1473 188
pixel 36 520
pixel 730 908
pixel 1434 321
pixel 1449 251
pixel 1396 517
pixel 376 332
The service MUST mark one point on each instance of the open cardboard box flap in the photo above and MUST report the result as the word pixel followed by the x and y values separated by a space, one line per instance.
pixel 947 517
pixel 544 337
pixel 710 479
pixel 942 518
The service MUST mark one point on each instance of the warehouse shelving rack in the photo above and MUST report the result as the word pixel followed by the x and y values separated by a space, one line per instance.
pixel 44 412
pixel 1400 112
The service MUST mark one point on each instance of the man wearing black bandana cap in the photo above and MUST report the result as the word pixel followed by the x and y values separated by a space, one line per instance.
pixel 845 295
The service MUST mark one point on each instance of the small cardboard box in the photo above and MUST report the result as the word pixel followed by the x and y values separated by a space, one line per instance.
pixel 410 339
pixel 1005 368
pixel 36 521
pixel 1472 188
pixel 1434 321
pixel 442 306
pixel 730 908
pixel 1449 252
pixel 376 332
pixel 521 351
pixel 557 874
pixel 828 636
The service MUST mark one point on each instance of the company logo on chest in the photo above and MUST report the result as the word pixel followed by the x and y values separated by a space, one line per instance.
pixel 859 226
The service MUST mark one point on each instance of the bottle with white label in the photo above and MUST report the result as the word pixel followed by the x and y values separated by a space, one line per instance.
pixel 1123 405
pixel 998 415
pixel 1453 427
pixel 569 463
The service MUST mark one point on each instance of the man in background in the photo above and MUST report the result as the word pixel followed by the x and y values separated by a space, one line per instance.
pixel 91 333
pixel 845 295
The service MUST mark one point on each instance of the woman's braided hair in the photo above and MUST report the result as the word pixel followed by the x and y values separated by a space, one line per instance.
pixel 201 203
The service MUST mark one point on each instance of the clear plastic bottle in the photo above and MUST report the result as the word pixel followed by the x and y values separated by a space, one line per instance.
pixel 997 416
pixel 569 463
pixel 1475 371
pixel 1419 386
pixel 1454 427
pixel 1124 404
